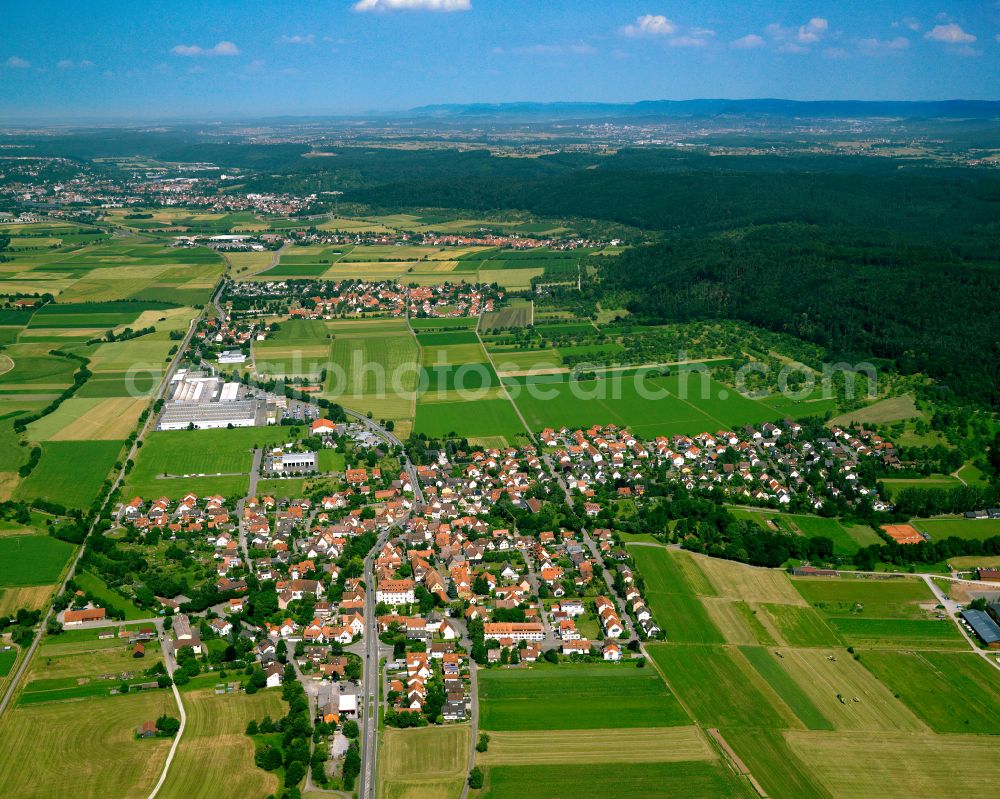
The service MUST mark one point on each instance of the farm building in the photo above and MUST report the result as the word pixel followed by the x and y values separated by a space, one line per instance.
pixel 987 630
pixel 71 618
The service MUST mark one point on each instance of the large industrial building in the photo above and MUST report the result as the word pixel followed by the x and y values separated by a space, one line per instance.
pixel 204 401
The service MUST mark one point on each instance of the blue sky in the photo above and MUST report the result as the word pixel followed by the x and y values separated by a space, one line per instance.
pixel 163 59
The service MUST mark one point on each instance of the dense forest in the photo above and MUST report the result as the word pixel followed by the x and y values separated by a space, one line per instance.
pixel 921 307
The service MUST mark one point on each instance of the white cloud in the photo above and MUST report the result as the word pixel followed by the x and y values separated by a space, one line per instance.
pixel 951 33
pixel 650 25
pixel 413 5
pixel 686 41
pixel 14 62
pixel 874 46
pixel 223 48
pixel 308 38
pixel 797 39
pixel 813 30
pixel 68 64
pixel 907 22
pixel 749 42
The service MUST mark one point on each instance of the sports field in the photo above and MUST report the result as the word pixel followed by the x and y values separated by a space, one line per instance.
pixel 576 697
pixel 976 529
pixel 215 757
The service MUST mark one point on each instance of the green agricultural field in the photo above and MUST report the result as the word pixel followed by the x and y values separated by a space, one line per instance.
pixel 880 613
pixel 204 452
pixel 671 597
pixel 8 657
pixel 469 419
pixel 58 477
pixel 89 744
pixel 648 406
pixel 887 599
pixel 447 338
pixel 32 559
pixel 443 323
pixel 719 687
pixel 599 780
pixel 767 665
pixel 774 765
pixel 738 621
pixel 576 697
pixel 899 633
pixel 799 626
pixel 951 692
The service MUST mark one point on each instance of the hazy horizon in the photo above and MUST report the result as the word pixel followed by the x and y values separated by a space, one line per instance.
pixel 351 57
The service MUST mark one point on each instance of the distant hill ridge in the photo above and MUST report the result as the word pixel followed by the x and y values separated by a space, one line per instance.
pixel 816 109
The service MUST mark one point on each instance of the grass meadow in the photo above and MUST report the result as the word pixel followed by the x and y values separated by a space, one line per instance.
pixel 576 697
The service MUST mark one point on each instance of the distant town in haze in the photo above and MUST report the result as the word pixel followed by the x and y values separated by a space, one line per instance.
pixel 464 399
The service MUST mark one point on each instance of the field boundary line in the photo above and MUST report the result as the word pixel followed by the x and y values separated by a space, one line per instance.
pixel 735 761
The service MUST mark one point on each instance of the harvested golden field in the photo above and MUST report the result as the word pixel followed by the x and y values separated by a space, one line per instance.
pixel 426 763
pixel 898 765
pixel 111 419
pixel 750 583
pixel 215 757
pixel 425 753
pixel 86 749
pixel 641 745
pixel 846 692
pixel 738 622
pixel 32 597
